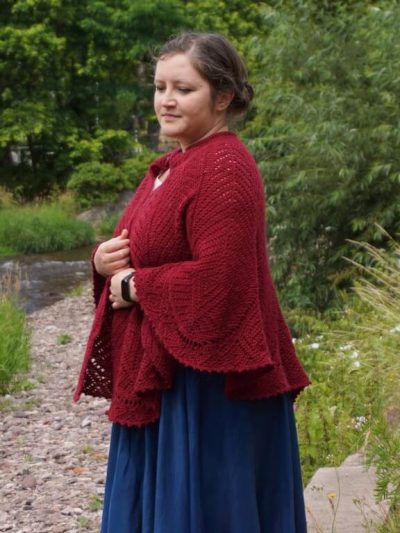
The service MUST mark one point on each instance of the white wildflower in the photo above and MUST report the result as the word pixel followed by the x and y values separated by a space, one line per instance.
pixel 314 345
pixel 345 347
pixel 396 329
pixel 354 355
pixel 359 421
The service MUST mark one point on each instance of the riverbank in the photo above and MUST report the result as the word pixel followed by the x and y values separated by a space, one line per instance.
pixel 53 452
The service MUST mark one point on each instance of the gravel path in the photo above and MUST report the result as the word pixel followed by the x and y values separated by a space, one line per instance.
pixel 53 452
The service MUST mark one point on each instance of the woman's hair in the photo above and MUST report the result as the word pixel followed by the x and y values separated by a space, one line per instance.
pixel 217 61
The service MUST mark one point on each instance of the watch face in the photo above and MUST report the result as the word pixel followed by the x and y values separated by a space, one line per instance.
pixel 125 290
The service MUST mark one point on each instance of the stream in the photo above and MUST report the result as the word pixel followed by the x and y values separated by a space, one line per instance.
pixel 46 278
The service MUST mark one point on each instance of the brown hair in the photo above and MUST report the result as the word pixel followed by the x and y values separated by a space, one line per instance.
pixel 217 61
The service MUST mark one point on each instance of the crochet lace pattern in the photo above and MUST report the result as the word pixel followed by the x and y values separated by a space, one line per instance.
pixel 205 291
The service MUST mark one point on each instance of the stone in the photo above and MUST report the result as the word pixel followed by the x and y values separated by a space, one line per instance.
pixel 28 482
pixel 342 499
pixel 86 422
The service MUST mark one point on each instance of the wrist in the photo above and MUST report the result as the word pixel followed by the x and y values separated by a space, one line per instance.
pixel 132 288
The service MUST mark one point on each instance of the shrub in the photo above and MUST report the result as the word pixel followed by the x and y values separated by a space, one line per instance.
pixel 354 367
pixel 107 225
pixel 326 135
pixel 97 183
pixel 135 168
pixel 42 228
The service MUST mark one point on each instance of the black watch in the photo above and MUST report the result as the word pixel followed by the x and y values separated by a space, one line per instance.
pixel 125 291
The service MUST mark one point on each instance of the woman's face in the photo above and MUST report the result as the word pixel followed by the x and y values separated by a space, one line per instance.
pixel 183 101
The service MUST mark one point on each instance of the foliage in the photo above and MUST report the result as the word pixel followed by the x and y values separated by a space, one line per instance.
pixel 135 168
pixel 71 74
pixel 104 145
pixel 42 228
pixel 14 338
pixel 326 135
pixel 107 225
pixel 95 503
pixel 64 339
pixel 237 20
pixel 97 183
pixel 354 367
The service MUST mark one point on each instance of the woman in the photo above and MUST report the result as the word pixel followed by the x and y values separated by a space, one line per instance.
pixel 188 340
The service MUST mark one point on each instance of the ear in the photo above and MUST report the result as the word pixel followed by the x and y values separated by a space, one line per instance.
pixel 223 99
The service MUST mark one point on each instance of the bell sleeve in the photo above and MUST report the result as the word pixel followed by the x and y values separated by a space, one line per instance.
pixel 206 311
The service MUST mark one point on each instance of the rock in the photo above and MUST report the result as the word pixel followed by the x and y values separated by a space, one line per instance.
pixel 86 422
pixel 28 482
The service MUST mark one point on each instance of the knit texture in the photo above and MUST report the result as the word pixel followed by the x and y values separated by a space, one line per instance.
pixel 206 296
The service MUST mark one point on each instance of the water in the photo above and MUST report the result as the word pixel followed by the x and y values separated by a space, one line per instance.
pixel 46 278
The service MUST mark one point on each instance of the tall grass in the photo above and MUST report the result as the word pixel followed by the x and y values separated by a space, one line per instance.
pixel 14 336
pixel 41 228
pixel 354 365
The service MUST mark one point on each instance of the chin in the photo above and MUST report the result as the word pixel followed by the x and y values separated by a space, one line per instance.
pixel 172 133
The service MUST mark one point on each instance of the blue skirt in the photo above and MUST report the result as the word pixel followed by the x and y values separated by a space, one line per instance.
pixel 209 465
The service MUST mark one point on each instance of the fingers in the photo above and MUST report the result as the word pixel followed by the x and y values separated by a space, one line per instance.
pixel 115 244
pixel 118 255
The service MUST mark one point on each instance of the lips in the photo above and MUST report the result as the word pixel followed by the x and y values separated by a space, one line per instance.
pixel 169 115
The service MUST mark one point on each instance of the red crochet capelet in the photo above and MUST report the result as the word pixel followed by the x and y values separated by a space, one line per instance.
pixel 206 298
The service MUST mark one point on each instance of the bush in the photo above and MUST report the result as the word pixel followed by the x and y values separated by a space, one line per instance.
pixel 326 135
pixel 107 146
pixel 107 225
pixel 135 168
pixel 14 341
pixel 42 228
pixel 97 183
pixel 354 368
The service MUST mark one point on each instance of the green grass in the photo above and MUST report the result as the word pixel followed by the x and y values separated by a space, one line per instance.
pixel 14 345
pixel 41 228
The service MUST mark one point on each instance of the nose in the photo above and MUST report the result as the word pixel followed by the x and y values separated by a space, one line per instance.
pixel 168 99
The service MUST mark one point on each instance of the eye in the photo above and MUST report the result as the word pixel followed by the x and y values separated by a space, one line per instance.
pixel 184 90
pixel 159 88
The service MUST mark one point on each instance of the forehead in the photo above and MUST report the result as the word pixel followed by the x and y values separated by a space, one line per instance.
pixel 177 67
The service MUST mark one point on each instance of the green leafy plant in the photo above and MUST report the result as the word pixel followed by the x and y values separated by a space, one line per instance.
pixel 325 133
pixel 354 367
pixel 135 167
pixel 64 339
pixel 95 503
pixel 96 183
pixel 84 521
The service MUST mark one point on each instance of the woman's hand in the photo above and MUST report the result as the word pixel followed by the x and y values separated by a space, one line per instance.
pixel 112 256
pixel 115 297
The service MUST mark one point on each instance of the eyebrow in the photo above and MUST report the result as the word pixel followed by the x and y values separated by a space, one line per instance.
pixel 174 81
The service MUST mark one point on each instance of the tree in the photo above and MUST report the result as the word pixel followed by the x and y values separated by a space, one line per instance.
pixel 326 134
pixel 72 72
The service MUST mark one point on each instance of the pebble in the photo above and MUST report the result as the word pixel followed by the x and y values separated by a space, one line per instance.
pixel 53 451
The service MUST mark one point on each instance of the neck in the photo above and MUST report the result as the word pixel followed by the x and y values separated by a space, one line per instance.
pixel 217 128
